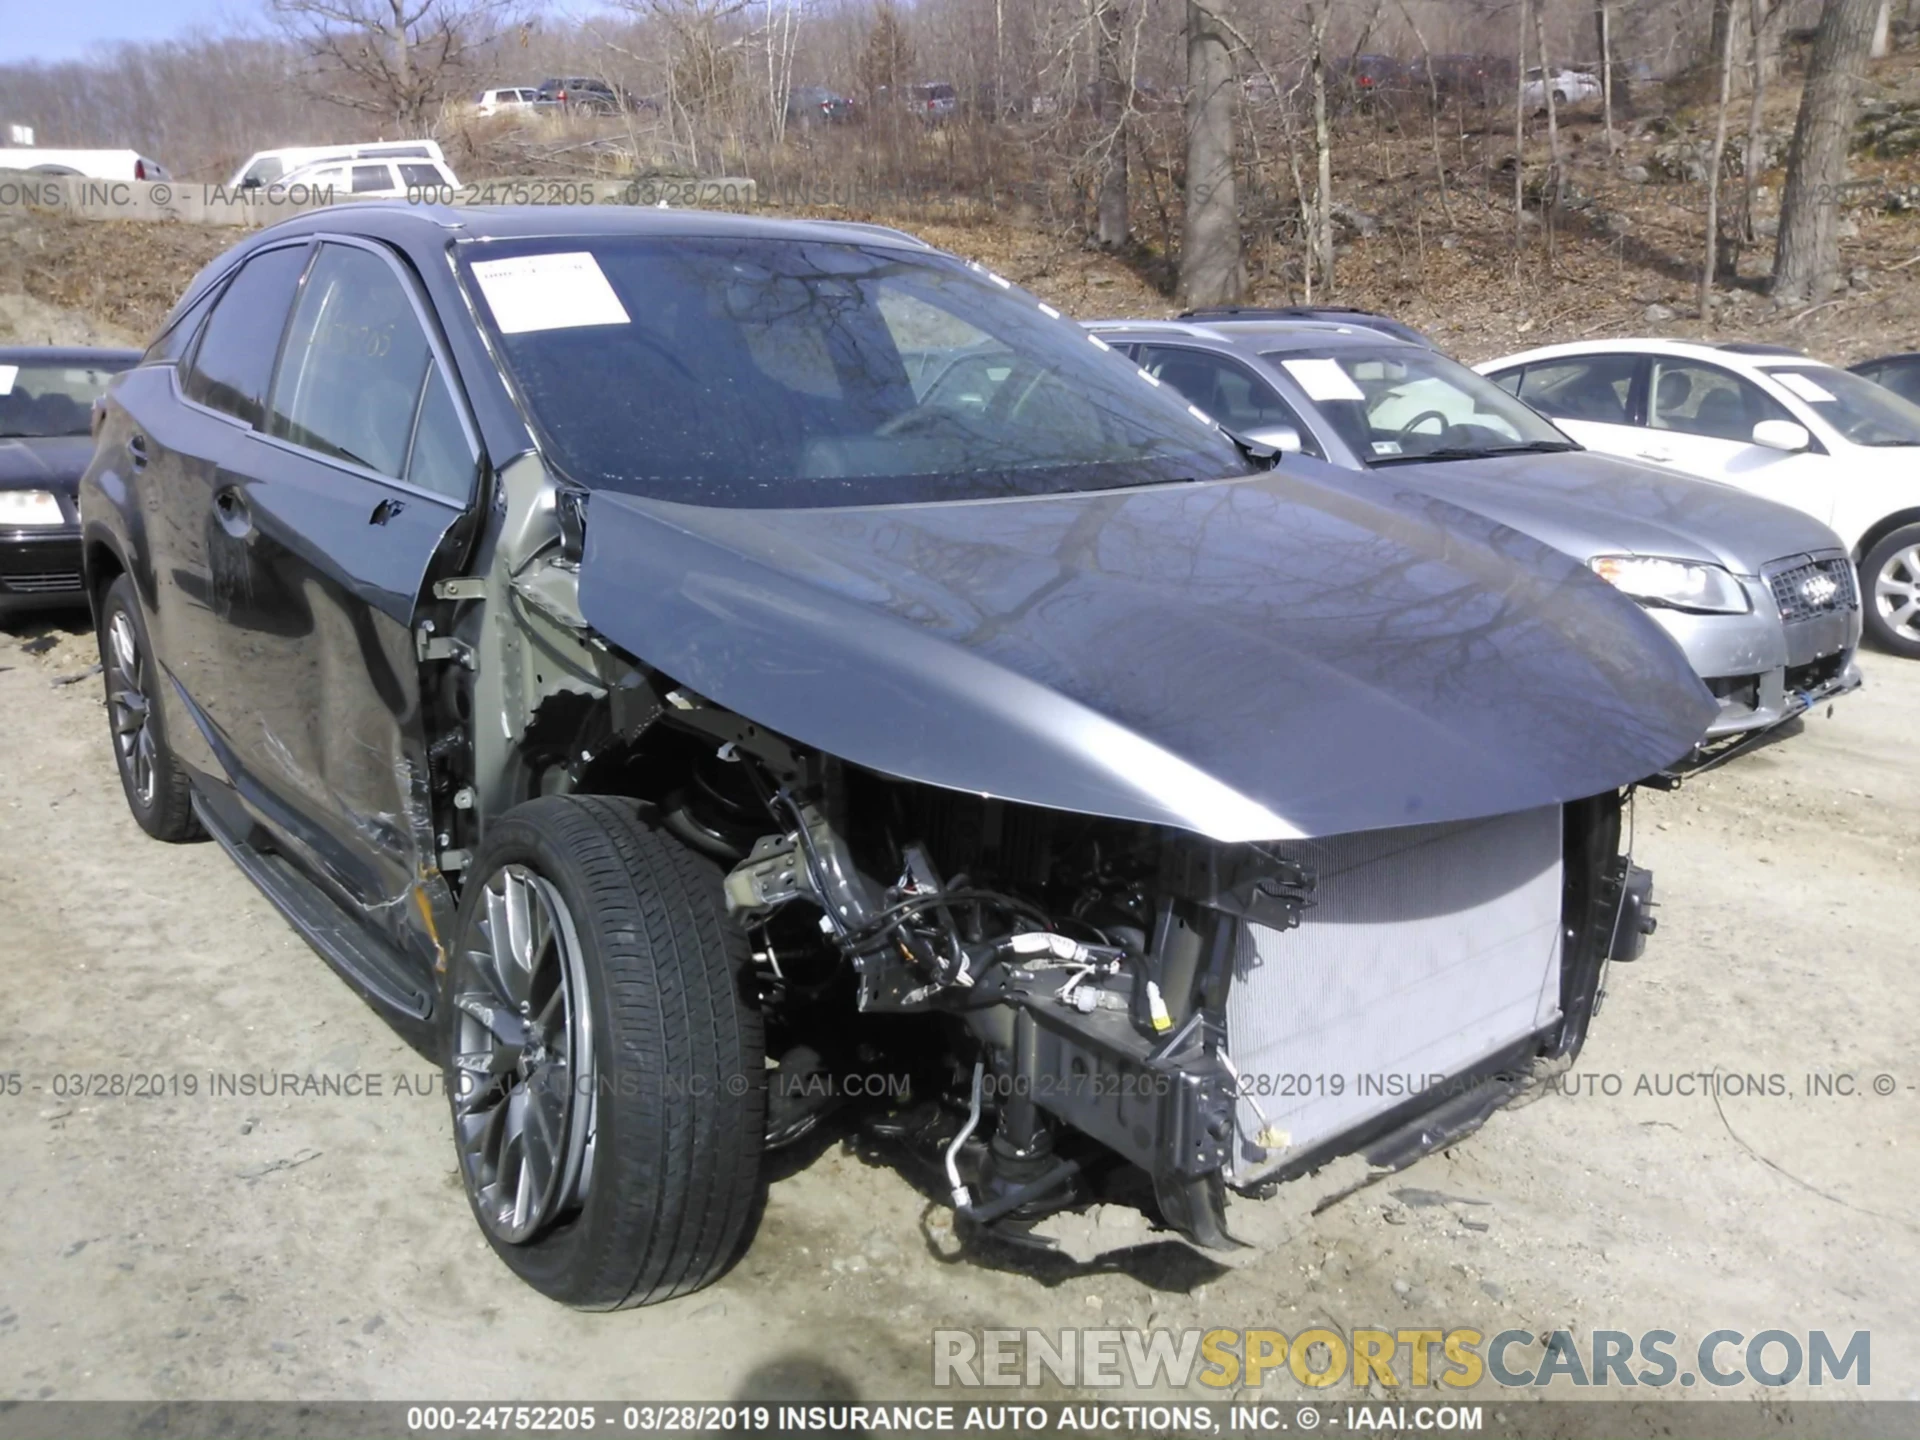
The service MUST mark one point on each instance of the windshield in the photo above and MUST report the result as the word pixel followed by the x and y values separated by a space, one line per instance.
pixel 1402 404
pixel 38 400
pixel 764 372
pixel 1863 412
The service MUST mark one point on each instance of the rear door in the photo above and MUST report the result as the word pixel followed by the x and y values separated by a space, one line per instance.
pixel 365 461
pixel 190 427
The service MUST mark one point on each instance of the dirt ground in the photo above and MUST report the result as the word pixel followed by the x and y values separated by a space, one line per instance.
pixel 195 1246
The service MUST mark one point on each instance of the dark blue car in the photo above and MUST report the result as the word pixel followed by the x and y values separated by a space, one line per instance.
pixel 671 663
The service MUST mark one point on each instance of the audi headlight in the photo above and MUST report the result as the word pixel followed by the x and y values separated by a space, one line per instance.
pixel 1681 584
pixel 29 507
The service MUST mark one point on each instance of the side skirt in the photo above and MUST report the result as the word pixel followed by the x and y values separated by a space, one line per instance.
pixel 373 968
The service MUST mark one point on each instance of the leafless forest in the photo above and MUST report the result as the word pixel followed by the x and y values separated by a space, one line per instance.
pixel 1216 144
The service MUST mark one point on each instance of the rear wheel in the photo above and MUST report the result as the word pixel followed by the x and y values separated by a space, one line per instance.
pixel 1890 578
pixel 154 782
pixel 605 1056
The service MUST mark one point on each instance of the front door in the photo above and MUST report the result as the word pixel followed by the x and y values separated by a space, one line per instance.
pixel 1699 421
pixel 345 498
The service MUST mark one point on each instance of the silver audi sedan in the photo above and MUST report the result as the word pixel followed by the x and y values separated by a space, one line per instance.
pixel 1762 598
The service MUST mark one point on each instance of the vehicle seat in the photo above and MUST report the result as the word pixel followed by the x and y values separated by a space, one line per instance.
pixel 1721 414
pixel 1195 379
pixel 1592 397
pixel 1672 394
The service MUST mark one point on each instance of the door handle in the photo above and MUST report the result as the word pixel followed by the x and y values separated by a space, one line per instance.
pixel 385 511
pixel 1664 457
pixel 137 450
pixel 231 510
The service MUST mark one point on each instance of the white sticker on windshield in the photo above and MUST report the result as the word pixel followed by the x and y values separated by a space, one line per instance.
pixel 8 374
pixel 1323 379
pixel 1806 388
pixel 1386 447
pixel 548 292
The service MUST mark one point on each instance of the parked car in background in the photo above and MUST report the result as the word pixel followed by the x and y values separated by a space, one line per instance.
pixel 817 105
pixel 377 179
pixel 271 167
pixel 47 396
pixel 1899 373
pixel 589 96
pixel 614 671
pixel 92 164
pixel 1328 314
pixel 508 99
pixel 1762 417
pixel 1358 79
pixel 932 101
pixel 1567 87
pixel 1760 596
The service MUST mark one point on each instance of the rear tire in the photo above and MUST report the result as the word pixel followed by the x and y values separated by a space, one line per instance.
pixel 1890 592
pixel 654 1117
pixel 154 783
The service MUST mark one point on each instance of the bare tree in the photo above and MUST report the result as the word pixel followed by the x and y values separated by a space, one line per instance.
pixel 1520 137
pixel 1761 16
pixel 1115 104
pixel 397 58
pixel 1322 228
pixel 1211 272
pixel 1603 20
pixel 1806 261
pixel 887 62
pixel 1551 194
pixel 1715 165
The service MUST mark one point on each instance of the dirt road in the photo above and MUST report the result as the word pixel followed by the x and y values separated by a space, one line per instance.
pixel 196 1245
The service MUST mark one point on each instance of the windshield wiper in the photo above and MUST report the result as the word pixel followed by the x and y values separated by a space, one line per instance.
pixel 1478 452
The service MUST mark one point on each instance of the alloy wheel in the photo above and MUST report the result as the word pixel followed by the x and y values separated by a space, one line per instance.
pixel 1896 592
pixel 523 1107
pixel 132 716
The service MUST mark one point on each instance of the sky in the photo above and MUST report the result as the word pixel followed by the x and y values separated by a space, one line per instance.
pixel 40 30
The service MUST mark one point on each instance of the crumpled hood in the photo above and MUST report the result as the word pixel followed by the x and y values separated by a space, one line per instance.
pixel 1587 504
pixel 1304 652
pixel 54 462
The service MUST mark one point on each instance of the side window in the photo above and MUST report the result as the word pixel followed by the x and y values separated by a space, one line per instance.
pixel 370 179
pixel 233 362
pixel 1509 380
pixel 1227 391
pixel 1697 399
pixel 1582 387
pixel 174 342
pixel 418 174
pixel 356 368
pixel 442 460
pixel 1901 377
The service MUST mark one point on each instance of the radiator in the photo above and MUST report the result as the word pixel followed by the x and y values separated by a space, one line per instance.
pixel 1427 949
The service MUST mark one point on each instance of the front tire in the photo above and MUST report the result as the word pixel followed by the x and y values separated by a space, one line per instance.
pixel 1890 599
pixel 155 784
pixel 605 1056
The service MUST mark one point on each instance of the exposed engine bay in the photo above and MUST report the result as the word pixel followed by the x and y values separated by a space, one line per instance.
pixel 1050 979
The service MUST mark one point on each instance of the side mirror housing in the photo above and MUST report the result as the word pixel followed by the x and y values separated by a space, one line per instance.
pixel 1785 435
pixel 1281 439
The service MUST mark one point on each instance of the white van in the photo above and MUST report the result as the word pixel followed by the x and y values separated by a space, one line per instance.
pixel 376 179
pixel 93 164
pixel 270 167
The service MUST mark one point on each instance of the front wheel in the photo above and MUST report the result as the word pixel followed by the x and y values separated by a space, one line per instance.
pixel 1890 578
pixel 605 1058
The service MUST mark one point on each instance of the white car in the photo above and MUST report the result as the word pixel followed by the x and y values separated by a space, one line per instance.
pixel 507 99
pixel 377 179
pixel 1569 87
pixel 1766 419
pixel 92 164
pixel 274 167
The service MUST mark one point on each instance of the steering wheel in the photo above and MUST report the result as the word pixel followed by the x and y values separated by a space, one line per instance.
pixel 1424 416
pixel 923 418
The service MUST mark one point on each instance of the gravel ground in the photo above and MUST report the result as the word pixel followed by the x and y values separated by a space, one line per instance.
pixel 233 1246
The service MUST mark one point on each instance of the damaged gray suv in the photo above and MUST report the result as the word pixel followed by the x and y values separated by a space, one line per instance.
pixel 678 667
